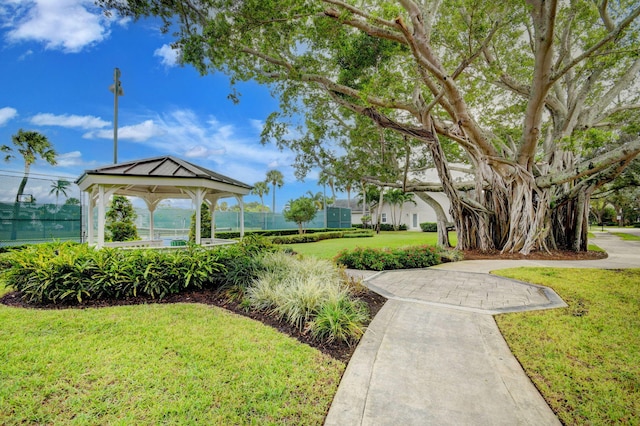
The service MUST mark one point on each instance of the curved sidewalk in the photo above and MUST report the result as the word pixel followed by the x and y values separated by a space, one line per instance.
pixel 434 354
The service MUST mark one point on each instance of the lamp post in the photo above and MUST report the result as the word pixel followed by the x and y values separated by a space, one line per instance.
pixel 116 89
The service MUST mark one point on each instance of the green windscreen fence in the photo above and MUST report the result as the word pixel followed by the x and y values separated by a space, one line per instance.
pixel 49 209
pixel 52 208
pixel 175 222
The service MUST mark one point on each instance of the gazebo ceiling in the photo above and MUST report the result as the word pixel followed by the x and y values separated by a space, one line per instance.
pixel 162 176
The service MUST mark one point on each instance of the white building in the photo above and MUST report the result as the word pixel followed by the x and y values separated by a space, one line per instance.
pixel 412 214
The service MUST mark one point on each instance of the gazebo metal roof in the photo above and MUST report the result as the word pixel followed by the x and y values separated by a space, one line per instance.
pixel 161 175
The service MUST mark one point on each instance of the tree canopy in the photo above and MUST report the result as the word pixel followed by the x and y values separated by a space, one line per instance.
pixel 300 211
pixel 120 220
pixel 540 98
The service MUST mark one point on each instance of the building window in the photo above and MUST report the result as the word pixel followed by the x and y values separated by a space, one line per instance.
pixel 383 218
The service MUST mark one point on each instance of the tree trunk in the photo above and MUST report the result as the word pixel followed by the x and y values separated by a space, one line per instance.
pixel 16 206
pixel 379 215
pixel 441 219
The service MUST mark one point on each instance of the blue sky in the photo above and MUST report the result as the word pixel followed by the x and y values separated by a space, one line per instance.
pixel 58 58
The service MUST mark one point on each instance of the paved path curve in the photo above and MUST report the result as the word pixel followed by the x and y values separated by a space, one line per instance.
pixel 434 355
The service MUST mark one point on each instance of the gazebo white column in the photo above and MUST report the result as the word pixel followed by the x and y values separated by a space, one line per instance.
pixel 92 205
pixel 152 202
pixel 101 215
pixel 197 196
pixel 241 204
pixel 104 194
pixel 213 201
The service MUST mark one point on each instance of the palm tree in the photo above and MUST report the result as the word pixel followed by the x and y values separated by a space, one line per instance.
pixel 275 177
pixel 317 198
pixel 326 177
pixel 59 187
pixel 30 145
pixel 260 189
pixel 397 197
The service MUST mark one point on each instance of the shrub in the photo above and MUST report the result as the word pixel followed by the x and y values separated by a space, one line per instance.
pixel 64 272
pixel 364 233
pixel 319 236
pixel 386 259
pixel 451 255
pixel 240 262
pixel 296 290
pixel 389 227
pixel 294 239
pixel 429 227
pixel 341 320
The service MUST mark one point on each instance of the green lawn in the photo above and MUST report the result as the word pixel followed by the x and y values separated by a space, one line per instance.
pixel 157 364
pixel 585 358
pixel 327 249
pixel 626 237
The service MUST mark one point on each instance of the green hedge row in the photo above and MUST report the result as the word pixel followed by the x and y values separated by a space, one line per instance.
pixel 319 236
pixel 387 259
pixel 276 232
pixel 383 227
pixel 68 272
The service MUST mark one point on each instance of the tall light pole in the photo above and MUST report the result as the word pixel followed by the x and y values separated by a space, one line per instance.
pixel 116 89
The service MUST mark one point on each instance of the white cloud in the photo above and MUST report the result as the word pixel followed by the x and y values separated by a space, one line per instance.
pixel 70 159
pixel 200 151
pixel 7 114
pixel 138 132
pixel 169 55
pixel 67 25
pixel 81 121
pixel 258 125
pixel 230 149
pixel 25 55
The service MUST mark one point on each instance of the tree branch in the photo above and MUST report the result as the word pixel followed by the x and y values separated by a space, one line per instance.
pixel 364 26
pixel 590 167
pixel 608 38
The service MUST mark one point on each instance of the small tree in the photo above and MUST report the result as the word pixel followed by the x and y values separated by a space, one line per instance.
pixel 205 223
pixel 300 211
pixel 120 217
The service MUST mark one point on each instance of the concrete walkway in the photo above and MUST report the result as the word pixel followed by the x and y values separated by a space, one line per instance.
pixel 433 355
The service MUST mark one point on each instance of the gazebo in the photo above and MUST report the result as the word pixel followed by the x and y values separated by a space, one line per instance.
pixel 154 180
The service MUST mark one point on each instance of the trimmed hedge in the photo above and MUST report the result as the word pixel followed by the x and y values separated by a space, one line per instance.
pixel 429 227
pixel 383 227
pixel 276 232
pixel 318 236
pixel 387 259
pixel 69 272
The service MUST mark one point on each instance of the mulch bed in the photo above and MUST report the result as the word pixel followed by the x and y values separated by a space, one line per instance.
pixel 340 351
pixel 537 255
